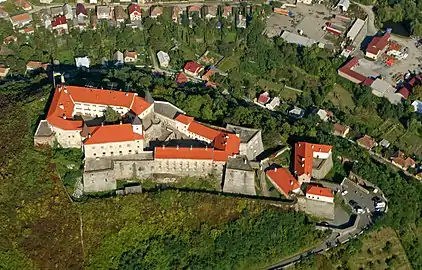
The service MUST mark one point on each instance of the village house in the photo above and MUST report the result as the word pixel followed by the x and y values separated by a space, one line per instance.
pixel 264 98
pixel 3 13
pixel 156 11
pixel 340 130
pixel 193 69
pixel 135 13
pixel 211 12
pixel 181 79
pixel 348 73
pixel 273 104
pixel 296 113
pixel 194 11
pixel 27 30
pixel 24 4
pixel 227 12
pixel 35 65
pixel 82 62
pixel 130 57
pixel 177 13
pixel 283 181
pixel 241 21
pixel 81 16
pixel 318 193
pixel 10 39
pixel 46 1
pixel 118 58
pixel 3 72
pixel 399 160
pixel 120 14
pixel 104 13
pixel 367 142
pixel 312 160
pixel 163 58
pixel 324 115
pixel 208 74
pixel 377 46
pixel 59 24
pixel 384 143
pixel 20 20
pixel 56 11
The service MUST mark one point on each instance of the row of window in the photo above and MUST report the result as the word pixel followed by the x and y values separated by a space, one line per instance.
pixel 120 153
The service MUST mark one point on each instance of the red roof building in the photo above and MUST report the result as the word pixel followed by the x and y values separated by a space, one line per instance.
pixel 318 193
pixel 193 68
pixel 113 133
pixel 264 98
pixel 283 181
pixel 304 156
pixel 181 78
pixel 80 9
pixel 347 71
pixel 59 22
pixel 404 92
pixel 367 142
pixel 183 118
pixel 227 11
pixel 135 12
pixel 377 45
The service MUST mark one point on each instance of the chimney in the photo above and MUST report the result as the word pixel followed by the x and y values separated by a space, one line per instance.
pixel 102 124
pixel 227 136
pixel 275 169
pixel 191 147
pixel 164 147
pixel 89 135
pixel 177 147
pixel 206 147
pixel 61 106
pixel 244 161
pixel 64 117
pixel 312 147
pixel 121 122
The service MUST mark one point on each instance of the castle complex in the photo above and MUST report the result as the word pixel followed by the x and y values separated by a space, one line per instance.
pixel 155 139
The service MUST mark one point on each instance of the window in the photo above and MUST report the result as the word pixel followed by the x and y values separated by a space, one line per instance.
pixel 102 146
pixel 120 146
pixel 95 154
pixel 130 151
pixel 105 180
pixel 111 153
pixel 93 147
pixel 104 153
pixel 120 152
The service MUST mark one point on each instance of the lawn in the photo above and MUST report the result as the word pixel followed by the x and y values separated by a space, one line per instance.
pixel 230 37
pixel 283 159
pixel 341 98
pixel 410 143
pixel 210 58
pixel 229 63
pixel 285 94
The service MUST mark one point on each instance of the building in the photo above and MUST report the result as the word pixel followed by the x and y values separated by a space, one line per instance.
pixel 19 21
pixel 68 12
pixel 27 30
pixel 104 13
pixel 283 181
pixel 355 29
pixel 241 21
pixel 324 115
pixel 193 69
pixel 239 176
pixel 181 78
pixel 118 58
pixel 312 160
pixel 348 73
pixel 367 142
pixel 56 11
pixel 177 13
pixel 399 160
pixel 81 16
pixel 82 62
pixel 264 98
pixel 227 12
pixel 274 103
pixel 211 12
pixel 306 2
pixel 3 13
pixel 46 1
pixel 384 143
pixel 130 57
pixel 3 72
pixel 35 65
pixel 135 13
pixel 343 5
pixel 317 193
pixel 120 14
pixel 251 144
pixel 59 24
pixel 163 58
pixel 377 46
pixel 297 39
pixel 382 88
pixel 156 11
pixel 194 11
pixel 417 106
pixel 24 4
pixel 340 130
pixel 296 113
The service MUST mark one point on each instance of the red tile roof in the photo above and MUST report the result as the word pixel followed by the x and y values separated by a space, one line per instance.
pixel 193 67
pixel 80 9
pixel 113 133
pixel 378 44
pixel 227 10
pixel 203 130
pixel 368 81
pixel 65 97
pixel 183 118
pixel 404 92
pixel 347 69
pixel 304 156
pixel 367 142
pixel 21 17
pixel 156 11
pixel 34 64
pixel 195 8
pixel 181 78
pixel 264 98
pixel 283 180
pixel 208 74
pixel 130 54
pixel 60 20
pixel 134 8
pixel 319 191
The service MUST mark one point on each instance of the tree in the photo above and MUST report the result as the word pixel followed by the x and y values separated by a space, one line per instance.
pixel 111 116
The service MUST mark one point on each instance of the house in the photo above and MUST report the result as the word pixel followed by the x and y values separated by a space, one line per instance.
pixel 10 39
pixel 283 181
pixel 46 20
pixel 130 57
pixel 367 142
pixel 21 20
pixel 135 13
pixel 343 5
pixel 348 73
pixel 193 69
pixel 227 12
pixel 81 12
pixel 163 58
pixel 324 115
pixel 3 13
pixel 417 106
pixel 120 14
pixel 208 74
pixel 82 62
pixel 181 78
pixel 211 12
pixel 239 176
pixel 24 4
pixel 93 1
pixel 46 1
pixel 34 65
pixel 377 46
pixel 194 10
pixel 59 24
pixel 398 159
pixel 296 112
pixel 382 88
pixel 104 13
pixel 3 72
pixel 340 130
pixel 177 12
pixel 27 30
pixel 384 143
pixel 355 29
pixel 119 58
pixel 68 12
pixel 156 11
pixel 264 98
pixel 297 39
pixel 306 2
pixel 241 21
pixel 404 92
pixel 94 21
pixel 318 193
pixel 312 161
pixel 274 103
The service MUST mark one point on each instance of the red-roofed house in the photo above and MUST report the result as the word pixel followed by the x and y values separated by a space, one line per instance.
pixel 60 24
pixel 193 69
pixel 264 98
pixel 130 57
pixel 3 72
pixel 367 142
pixel 181 78
pixel 156 11
pixel 347 71
pixel 312 160
pixel 227 11
pixel 135 13
pixel 377 46
pixel 400 161
pixel 34 65
pixel 283 181
pixel 21 20
pixel 319 194
pixel 404 92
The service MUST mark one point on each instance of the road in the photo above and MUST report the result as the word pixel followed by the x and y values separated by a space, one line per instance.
pixel 372 30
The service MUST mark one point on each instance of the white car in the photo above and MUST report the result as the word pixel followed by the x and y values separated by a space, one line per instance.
pixel 344 192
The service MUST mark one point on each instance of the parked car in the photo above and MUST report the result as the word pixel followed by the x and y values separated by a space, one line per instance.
pixel 344 192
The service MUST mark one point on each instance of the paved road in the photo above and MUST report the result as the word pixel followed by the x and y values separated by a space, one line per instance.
pixel 372 30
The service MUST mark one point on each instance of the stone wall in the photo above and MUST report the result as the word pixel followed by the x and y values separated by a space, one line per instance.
pixel 44 140
pixel 239 181
pixel 316 208
pixel 68 138
pixel 96 181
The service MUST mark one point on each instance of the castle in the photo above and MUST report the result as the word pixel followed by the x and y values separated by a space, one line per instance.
pixel 154 139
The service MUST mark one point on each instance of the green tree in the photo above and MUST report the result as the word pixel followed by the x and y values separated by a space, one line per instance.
pixel 111 116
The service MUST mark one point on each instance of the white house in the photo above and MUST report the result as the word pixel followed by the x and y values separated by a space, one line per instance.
pixel 274 103
pixel 82 62
pixel 163 58
pixel 317 193
pixel 130 57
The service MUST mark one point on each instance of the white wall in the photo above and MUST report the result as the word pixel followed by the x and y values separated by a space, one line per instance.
pixel 321 155
pixel 113 149
pixel 320 198
pixel 99 181
pixel 149 110
pixel 68 138
pixel 96 109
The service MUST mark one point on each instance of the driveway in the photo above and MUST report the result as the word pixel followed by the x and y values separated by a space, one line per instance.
pixel 372 30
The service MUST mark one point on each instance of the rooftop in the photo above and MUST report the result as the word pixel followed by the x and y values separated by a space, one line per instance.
pixel 283 179
pixel 113 133
pixel 245 134
pixel 378 43
pixel 304 156
pixel 319 191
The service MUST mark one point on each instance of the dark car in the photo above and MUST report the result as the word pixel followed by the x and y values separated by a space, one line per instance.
pixel 353 203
